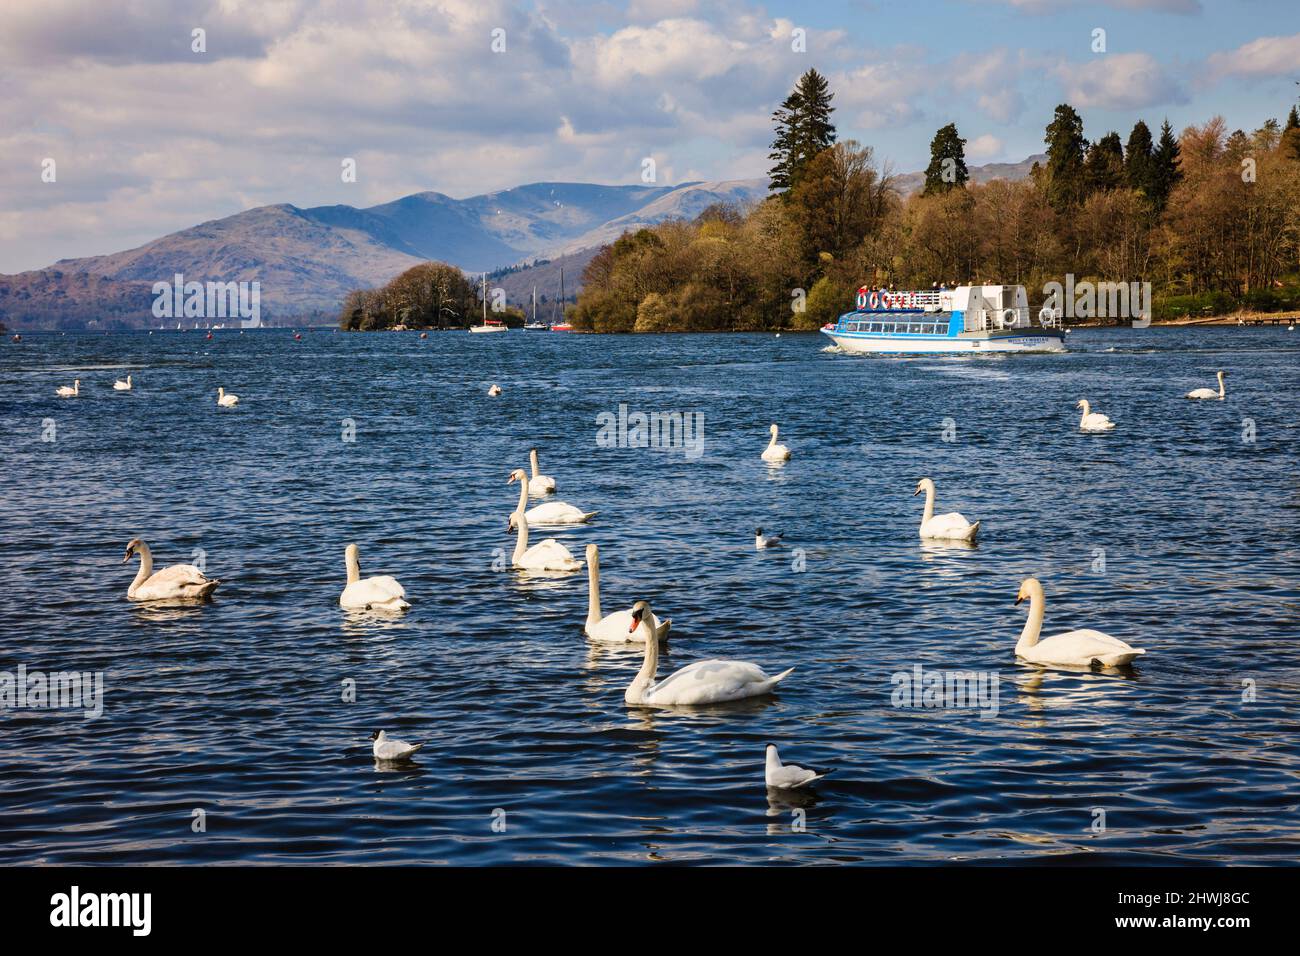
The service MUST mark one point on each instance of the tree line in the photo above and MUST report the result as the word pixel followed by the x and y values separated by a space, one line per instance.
pixel 1210 217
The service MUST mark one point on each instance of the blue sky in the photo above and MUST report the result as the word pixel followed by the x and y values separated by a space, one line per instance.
pixel 150 136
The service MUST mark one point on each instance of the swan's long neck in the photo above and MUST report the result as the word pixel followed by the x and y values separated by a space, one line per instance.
pixel 1029 636
pixel 146 565
pixel 646 675
pixel 1220 385
pixel 532 461
pixel 1087 409
pixel 929 504
pixel 354 567
pixel 593 588
pixel 773 441
pixel 521 537
pixel 523 495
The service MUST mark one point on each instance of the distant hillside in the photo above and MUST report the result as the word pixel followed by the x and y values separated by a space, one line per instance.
pixel 307 260
pixel 908 183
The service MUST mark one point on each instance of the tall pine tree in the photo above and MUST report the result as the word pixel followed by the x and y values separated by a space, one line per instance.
pixel 803 129
pixel 1165 173
pixel 1066 184
pixel 1104 167
pixel 947 169
pixel 1138 158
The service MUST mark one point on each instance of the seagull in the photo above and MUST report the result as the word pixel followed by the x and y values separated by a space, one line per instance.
pixel 762 541
pixel 388 748
pixel 788 776
pixel 494 391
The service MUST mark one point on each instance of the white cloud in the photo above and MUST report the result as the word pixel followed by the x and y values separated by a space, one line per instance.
pixel 1266 56
pixel 985 147
pixel 1117 81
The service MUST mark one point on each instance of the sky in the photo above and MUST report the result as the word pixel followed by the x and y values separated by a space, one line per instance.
pixel 149 135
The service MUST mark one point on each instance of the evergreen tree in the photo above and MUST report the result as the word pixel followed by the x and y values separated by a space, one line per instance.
pixel 1104 166
pixel 1293 119
pixel 803 129
pixel 1138 158
pixel 1165 173
pixel 947 169
pixel 1066 185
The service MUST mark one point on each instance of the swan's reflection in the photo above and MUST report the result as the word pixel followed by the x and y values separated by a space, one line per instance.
pixel 529 579
pixel 169 609
pixel 358 622
pixel 1040 689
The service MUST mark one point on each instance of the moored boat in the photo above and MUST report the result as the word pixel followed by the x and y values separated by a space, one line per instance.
pixel 970 319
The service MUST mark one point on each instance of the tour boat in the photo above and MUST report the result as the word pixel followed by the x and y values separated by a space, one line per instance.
pixel 970 319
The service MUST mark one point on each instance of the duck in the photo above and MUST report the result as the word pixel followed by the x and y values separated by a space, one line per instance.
pixel 1209 392
pixel 65 391
pixel 123 386
pixel 180 581
pixel 494 390
pixel 704 682
pixel 762 541
pixel 616 627
pixel 1093 421
pixel 539 485
pixel 390 748
pixel 1082 648
pixel 950 527
pixel 773 451
pixel 226 401
pixel 788 776
pixel 378 593
pixel 548 512
pixel 548 555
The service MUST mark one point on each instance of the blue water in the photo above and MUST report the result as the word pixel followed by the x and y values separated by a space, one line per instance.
pixel 1172 533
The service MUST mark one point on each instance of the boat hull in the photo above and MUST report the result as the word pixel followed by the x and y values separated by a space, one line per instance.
pixel 487 328
pixel 1044 340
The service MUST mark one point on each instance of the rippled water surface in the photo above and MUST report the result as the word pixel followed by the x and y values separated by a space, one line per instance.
pixel 1175 533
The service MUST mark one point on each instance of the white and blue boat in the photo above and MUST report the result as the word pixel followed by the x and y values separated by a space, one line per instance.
pixel 969 319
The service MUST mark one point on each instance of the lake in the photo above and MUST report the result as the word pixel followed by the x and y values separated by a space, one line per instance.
pixel 1177 532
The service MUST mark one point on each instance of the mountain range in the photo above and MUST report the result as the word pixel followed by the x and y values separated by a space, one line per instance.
pixel 307 260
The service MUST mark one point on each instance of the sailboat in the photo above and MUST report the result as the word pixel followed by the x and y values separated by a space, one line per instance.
pixel 534 325
pixel 562 325
pixel 489 325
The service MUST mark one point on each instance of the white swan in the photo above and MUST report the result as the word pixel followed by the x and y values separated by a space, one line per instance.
pixel 178 581
pixel 704 682
pixel 1093 421
pixel 390 748
pixel 773 451
pixel 494 390
pixel 65 391
pixel 548 555
pixel 1083 648
pixel 762 541
pixel 548 512
pixel 539 485
pixel 122 386
pixel 226 401
pixel 617 627
pixel 379 593
pixel 788 776
pixel 950 527
pixel 1209 392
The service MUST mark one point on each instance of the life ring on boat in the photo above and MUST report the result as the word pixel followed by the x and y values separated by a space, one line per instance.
pixel 874 300
pixel 1007 319
pixel 862 300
